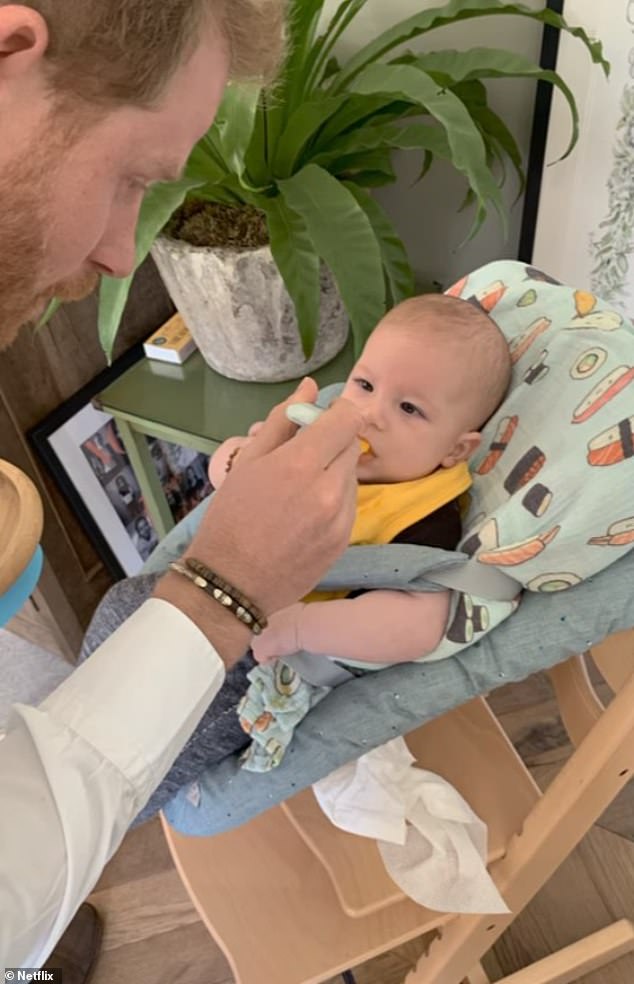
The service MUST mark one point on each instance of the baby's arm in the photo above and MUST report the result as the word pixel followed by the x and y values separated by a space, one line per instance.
pixel 376 627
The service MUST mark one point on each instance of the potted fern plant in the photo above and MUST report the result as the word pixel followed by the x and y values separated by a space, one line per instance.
pixel 273 242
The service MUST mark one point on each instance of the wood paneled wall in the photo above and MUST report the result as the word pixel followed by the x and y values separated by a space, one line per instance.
pixel 38 373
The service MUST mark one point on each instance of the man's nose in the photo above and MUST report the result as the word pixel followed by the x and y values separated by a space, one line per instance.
pixel 115 254
pixel 115 259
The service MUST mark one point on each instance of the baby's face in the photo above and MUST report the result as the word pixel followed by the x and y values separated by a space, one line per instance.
pixel 410 387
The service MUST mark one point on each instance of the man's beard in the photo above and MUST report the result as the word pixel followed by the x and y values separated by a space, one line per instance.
pixel 23 220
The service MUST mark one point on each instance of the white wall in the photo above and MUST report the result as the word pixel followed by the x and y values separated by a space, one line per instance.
pixel 425 215
pixel 579 195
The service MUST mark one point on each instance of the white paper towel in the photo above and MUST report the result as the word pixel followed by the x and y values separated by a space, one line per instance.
pixel 432 843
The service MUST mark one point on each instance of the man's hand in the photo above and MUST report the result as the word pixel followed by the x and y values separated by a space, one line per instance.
pixel 283 514
pixel 285 511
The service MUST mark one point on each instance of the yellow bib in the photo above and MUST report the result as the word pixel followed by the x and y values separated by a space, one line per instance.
pixel 383 511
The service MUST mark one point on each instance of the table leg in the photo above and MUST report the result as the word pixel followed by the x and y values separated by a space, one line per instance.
pixel 141 460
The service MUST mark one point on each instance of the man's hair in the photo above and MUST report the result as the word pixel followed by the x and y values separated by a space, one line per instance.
pixel 480 343
pixel 123 52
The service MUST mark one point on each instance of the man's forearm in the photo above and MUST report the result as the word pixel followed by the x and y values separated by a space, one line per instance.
pixel 76 771
pixel 227 635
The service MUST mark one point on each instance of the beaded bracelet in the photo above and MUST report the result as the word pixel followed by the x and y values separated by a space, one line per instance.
pixel 222 592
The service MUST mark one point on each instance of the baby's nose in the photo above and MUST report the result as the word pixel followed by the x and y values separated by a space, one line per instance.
pixel 374 414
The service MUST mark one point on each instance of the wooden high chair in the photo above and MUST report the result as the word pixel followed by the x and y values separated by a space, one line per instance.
pixel 290 899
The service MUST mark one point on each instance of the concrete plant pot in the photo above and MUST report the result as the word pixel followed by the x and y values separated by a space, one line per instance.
pixel 236 306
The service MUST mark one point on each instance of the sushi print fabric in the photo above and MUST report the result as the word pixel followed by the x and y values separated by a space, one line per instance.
pixel 552 501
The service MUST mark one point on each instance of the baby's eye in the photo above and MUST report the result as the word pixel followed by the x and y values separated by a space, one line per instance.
pixel 365 385
pixel 410 409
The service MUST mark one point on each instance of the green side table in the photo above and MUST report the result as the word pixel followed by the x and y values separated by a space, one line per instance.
pixel 194 406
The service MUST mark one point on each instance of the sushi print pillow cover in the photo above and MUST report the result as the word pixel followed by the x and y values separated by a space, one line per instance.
pixel 552 499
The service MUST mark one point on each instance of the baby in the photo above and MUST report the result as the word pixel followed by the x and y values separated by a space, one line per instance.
pixel 430 375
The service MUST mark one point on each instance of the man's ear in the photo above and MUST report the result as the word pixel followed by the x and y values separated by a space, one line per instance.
pixel 466 445
pixel 23 40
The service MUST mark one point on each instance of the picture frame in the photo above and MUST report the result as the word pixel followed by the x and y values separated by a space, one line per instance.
pixel 81 448
pixel 579 213
pixel 539 136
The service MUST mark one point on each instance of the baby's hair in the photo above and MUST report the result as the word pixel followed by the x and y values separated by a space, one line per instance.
pixel 481 342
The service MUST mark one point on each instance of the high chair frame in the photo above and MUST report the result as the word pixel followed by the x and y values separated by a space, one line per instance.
pixel 291 899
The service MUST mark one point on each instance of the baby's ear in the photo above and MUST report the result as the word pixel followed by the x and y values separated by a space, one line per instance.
pixel 466 446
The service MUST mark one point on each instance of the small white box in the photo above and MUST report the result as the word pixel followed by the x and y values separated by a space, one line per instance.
pixel 171 343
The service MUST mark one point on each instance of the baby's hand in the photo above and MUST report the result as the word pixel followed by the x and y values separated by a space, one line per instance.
pixel 220 461
pixel 280 638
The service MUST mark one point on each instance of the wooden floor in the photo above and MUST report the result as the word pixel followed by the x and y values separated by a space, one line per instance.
pixel 153 935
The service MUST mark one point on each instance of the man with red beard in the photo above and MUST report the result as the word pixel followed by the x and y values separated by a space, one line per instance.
pixel 98 101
